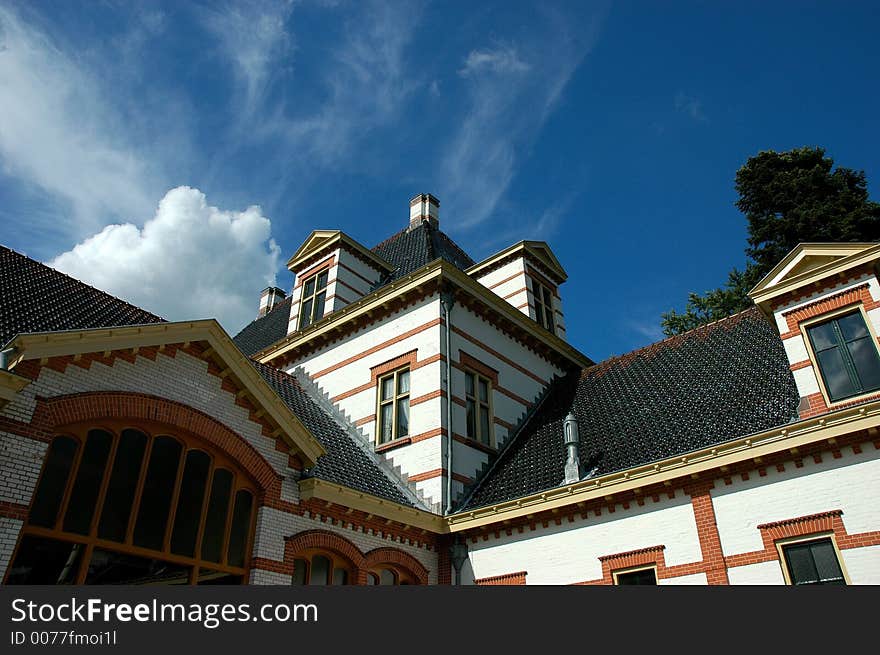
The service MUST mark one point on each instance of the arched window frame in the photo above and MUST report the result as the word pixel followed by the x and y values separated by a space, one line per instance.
pixel 153 430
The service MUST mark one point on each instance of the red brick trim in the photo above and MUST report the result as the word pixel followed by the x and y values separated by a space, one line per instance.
pixel 714 564
pixel 510 579
pixel 507 279
pixel 302 276
pixel 799 365
pixel 533 273
pixel 13 511
pixel 53 414
pixel 468 361
pixel 378 347
pixel 515 293
pixel 356 274
pixel 437 473
pixel 498 355
pixel 818 406
pixel 384 555
pixel 337 280
pixel 821 287
pixel 473 443
pixel 324 540
pixel 853 296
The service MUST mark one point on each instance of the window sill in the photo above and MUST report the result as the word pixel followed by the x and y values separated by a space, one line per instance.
pixel 391 445
pixel 473 443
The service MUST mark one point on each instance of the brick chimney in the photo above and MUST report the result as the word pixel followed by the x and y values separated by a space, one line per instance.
pixel 270 297
pixel 424 208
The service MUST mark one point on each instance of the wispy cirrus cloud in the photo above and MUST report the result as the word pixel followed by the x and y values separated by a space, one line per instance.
pixel 690 106
pixel 59 134
pixel 512 87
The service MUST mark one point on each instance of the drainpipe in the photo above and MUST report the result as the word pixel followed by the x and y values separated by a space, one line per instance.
pixel 447 300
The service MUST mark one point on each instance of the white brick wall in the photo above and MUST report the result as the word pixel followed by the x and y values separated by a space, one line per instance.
pixel 863 564
pixel 20 463
pixel 9 529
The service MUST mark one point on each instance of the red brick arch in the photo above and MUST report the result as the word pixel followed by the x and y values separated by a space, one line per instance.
pixel 379 556
pixel 323 540
pixel 52 414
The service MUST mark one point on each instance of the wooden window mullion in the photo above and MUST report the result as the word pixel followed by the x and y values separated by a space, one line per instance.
pixel 105 482
pixel 139 490
pixel 230 510
pixel 172 510
pixel 71 480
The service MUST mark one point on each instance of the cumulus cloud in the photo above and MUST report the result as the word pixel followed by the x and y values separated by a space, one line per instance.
pixel 58 133
pixel 191 260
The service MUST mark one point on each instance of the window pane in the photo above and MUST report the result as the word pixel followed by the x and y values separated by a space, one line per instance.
pixel 305 314
pixel 548 300
pixel 800 564
pixel 550 323
pixel 387 387
pixel 484 424
pixel 539 312
pixel 469 384
pixel 403 382
pixel 189 503
pixel 471 419
pixel 834 373
pixel 309 288
pixel 386 422
pixel 826 562
pixel 300 572
pixel 340 577
pixel 386 577
pixel 122 486
pixel 149 531
pixel 84 496
pixel 108 567
pixel 867 362
pixel 823 336
pixel 372 579
pixel 49 494
pixel 402 417
pixel 484 390
pixel 320 571
pixel 853 326
pixel 643 577
pixel 45 561
pixel 215 520
pixel 319 305
pixel 322 279
pixel 240 530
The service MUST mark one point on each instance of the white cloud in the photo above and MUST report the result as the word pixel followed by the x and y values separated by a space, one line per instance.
pixel 503 60
pixel 191 260
pixel 512 89
pixel 692 106
pixel 58 133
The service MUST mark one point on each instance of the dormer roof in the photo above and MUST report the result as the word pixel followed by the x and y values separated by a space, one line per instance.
pixel 321 241
pixel 537 251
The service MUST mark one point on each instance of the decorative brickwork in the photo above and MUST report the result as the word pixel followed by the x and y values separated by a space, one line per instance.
pixel 508 579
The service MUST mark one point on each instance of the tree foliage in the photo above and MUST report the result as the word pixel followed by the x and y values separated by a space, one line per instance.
pixel 788 198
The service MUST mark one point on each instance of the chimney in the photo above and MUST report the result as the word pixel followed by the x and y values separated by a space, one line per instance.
pixel 424 208
pixel 270 297
pixel 571 438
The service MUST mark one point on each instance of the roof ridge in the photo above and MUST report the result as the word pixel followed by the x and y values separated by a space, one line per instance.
pixel 55 271
pixel 663 343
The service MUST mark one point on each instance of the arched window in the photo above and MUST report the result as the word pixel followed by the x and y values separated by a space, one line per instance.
pixel 388 575
pixel 136 505
pixel 316 567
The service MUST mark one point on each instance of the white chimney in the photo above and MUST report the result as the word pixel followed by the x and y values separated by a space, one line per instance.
pixel 424 208
pixel 270 297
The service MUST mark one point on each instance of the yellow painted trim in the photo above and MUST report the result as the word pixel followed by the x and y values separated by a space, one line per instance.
pixel 437 270
pixel 321 239
pixel 539 249
pixel 762 444
pixel 633 569
pixel 348 497
pixel 10 385
pixel 43 345
pixel 817 536
pixel 764 292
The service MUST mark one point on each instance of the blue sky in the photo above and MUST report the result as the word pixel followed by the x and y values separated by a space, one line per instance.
pixel 176 154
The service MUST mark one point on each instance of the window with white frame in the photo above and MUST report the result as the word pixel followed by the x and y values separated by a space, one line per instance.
pixel 812 562
pixel 314 296
pixel 641 576
pixel 543 305
pixel 393 410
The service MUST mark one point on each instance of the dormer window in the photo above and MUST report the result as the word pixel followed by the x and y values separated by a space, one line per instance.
pixel 543 305
pixel 314 296
pixel 846 355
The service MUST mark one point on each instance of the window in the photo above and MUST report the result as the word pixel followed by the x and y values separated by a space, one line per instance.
pixel 314 295
pixel 320 569
pixel 643 576
pixel 846 355
pixel 478 391
pixel 393 406
pixel 127 507
pixel 543 305
pixel 812 562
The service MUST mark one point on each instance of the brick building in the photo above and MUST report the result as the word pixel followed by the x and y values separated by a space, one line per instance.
pixel 406 415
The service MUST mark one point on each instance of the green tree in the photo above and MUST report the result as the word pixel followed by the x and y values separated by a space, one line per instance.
pixel 788 198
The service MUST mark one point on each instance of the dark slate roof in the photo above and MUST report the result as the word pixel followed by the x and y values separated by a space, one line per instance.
pixel 712 384
pixel 264 331
pixel 37 298
pixel 345 463
pixel 410 249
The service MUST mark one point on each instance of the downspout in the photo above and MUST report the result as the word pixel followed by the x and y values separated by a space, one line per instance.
pixel 447 300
